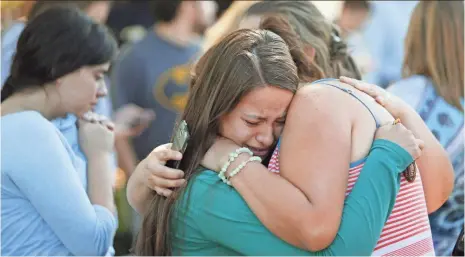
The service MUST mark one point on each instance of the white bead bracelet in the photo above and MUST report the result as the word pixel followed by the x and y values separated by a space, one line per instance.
pixel 232 157
pixel 241 166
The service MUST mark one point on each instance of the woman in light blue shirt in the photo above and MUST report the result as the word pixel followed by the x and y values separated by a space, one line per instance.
pixel 60 61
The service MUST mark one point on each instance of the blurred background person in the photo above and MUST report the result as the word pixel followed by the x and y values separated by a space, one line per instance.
pixel 433 85
pixel 12 11
pixel 153 73
pixel 383 35
pixel 352 16
pixel 131 19
pixel 350 21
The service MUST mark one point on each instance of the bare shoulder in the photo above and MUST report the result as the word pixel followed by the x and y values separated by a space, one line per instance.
pixel 319 106
pixel 321 96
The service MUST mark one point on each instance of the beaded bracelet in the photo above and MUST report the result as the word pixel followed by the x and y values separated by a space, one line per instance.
pixel 232 157
pixel 241 166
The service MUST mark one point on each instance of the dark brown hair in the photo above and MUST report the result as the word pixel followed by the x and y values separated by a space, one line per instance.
pixel 241 62
pixel 434 47
pixel 165 10
pixel 43 5
pixel 58 41
pixel 313 30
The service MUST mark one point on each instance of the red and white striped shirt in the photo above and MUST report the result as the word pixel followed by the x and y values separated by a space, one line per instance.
pixel 407 231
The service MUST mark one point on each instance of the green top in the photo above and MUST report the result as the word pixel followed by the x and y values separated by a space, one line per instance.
pixel 211 218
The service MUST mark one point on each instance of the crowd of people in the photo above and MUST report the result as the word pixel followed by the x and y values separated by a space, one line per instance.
pixel 370 95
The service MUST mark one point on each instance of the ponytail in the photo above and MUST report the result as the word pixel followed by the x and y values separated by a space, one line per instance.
pixel 341 62
pixel 8 89
pixel 308 71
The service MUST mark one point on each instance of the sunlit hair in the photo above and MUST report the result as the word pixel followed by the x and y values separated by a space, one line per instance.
pixel 434 47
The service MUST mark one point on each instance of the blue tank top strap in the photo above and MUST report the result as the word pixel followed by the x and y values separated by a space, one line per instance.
pixel 323 81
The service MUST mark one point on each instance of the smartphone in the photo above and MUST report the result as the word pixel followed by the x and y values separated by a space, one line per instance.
pixel 179 142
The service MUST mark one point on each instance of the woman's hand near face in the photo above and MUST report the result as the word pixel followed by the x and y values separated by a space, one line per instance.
pixel 96 138
pixel 96 135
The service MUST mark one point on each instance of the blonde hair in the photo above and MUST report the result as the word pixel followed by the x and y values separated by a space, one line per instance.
pixel 434 47
pixel 227 23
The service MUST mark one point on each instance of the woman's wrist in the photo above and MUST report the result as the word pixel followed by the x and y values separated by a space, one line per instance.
pixel 99 156
pixel 248 174
pixel 241 158
pixel 392 152
pixel 410 119
pixel 405 111
pixel 138 192
pixel 237 161
pixel 234 164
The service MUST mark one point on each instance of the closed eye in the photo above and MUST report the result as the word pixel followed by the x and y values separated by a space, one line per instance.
pixel 250 123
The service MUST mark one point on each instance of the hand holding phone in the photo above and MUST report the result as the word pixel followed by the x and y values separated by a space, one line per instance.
pixel 179 142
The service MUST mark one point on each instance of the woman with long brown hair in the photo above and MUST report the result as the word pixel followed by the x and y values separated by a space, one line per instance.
pixel 349 126
pixel 433 86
